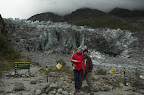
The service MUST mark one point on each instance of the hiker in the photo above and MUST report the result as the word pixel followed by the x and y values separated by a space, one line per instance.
pixel 79 69
pixel 88 69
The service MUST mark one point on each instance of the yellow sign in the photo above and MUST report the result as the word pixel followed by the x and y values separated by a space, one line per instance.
pixel 46 69
pixel 59 66
pixel 111 71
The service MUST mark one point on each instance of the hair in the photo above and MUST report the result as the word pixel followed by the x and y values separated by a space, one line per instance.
pixel 85 50
pixel 80 49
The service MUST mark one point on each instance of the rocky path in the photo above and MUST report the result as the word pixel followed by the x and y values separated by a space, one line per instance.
pixel 34 83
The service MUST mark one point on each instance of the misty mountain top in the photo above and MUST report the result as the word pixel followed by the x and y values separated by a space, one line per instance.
pixel 25 8
pixel 87 17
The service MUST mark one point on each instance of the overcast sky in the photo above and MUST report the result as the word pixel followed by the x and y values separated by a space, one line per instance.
pixel 26 8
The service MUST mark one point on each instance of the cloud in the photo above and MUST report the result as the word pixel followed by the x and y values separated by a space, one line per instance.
pixel 26 8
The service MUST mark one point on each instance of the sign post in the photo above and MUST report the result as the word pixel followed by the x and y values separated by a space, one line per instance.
pixel 47 73
pixel 111 71
pixel 22 65
pixel 124 77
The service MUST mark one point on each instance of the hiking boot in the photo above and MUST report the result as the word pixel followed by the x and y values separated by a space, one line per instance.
pixel 91 93
pixel 75 93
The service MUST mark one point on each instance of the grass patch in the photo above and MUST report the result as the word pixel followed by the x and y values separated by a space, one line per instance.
pixel 114 81
pixel 66 70
pixel 135 80
pixel 103 21
pixel 101 71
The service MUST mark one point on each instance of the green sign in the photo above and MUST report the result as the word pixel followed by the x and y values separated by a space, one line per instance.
pixel 22 65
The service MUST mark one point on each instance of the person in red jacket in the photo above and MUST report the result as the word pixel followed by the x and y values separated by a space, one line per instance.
pixel 79 69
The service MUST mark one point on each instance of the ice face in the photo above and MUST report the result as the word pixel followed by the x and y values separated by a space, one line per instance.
pixel 64 38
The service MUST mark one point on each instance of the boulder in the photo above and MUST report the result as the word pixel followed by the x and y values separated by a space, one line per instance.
pixel 52 92
pixel 128 88
pixel 59 90
pixel 34 81
pixel 19 87
pixel 65 93
pixel 12 94
pixel 1 90
pixel 38 92
pixel 53 86
pixel 140 91
pixel 106 88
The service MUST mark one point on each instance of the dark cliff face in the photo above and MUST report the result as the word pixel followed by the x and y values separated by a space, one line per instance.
pixel 2 25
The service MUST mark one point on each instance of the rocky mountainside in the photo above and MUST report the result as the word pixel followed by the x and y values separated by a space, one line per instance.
pixel 45 42
pixel 46 17
pixel 120 12
pixel 86 17
pixel 83 12
pixel 64 38
pixel 135 18
pixel 2 25
pixel 6 51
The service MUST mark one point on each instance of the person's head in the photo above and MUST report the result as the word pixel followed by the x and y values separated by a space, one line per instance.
pixel 79 50
pixel 85 52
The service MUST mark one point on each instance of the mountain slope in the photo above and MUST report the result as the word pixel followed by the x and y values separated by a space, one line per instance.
pixel 46 17
pixel 124 13
pixel 6 51
pixel 89 17
pixel 135 18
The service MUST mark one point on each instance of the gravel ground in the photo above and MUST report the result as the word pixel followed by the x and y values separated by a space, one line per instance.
pixel 100 61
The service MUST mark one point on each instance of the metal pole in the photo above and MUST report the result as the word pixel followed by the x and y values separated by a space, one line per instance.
pixel 15 68
pixel 47 73
pixel 124 77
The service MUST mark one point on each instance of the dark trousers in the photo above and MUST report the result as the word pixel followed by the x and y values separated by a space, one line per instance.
pixel 78 79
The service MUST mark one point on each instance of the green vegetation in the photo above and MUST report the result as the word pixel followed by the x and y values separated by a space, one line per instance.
pixel 101 71
pixel 136 81
pixel 102 21
pixel 114 81
pixel 66 70
pixel 62 70
pixel 6 53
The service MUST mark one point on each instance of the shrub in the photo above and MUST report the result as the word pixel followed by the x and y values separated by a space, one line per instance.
pixel 101 71
pixel 7 53
pixel 66 70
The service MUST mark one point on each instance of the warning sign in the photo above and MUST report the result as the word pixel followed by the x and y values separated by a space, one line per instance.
pixel 59 66
pixel 111 71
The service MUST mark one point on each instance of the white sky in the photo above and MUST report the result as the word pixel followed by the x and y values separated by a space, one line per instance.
pixel 24 9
